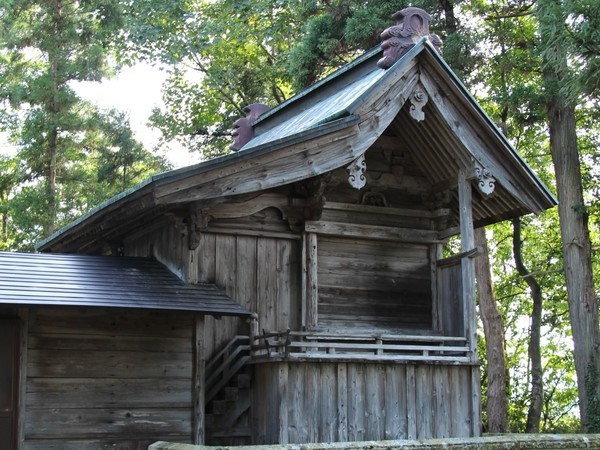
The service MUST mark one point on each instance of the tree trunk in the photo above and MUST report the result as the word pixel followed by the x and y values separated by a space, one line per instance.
pixel 493 329
pixel 583 304
pixel 534 413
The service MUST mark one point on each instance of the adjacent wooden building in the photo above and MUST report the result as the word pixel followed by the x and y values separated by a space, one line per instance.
pixel 329 225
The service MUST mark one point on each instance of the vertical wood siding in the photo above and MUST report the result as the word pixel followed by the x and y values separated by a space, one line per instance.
pixel 338 401
pixel 99 378
pixel 260 273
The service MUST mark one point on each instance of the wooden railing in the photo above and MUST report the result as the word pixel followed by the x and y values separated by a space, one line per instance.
pixel 225 364
pixel 307 345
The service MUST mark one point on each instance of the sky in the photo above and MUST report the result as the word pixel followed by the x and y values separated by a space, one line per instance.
pixel 135 91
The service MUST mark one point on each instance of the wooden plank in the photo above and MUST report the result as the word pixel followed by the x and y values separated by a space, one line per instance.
pixel 475 386
pixel 379 210
pixel 328 403
pixel 356 402
pixel 109 342
pixel 371 232
pixel 395 402
pixel 342 402
pixel 97 444
pixel 67 392
pixel 85 364
pixel 374 402
pixel 267 284
pixel 460 400
pixel 59 423
pixel 282 393
pixel 312 402
pixel 283 282
pixel 198 382
pixel 441 382
pixel 100 321
pixel 23 358
pixel 207 258
pixel 246 272
pixel 424 401
pixel 298 417
pixel 411 402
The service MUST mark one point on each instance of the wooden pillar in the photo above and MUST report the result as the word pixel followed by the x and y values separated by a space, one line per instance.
pixel 467 240
pixel 310 297
pixel 199 382
pixel 23 346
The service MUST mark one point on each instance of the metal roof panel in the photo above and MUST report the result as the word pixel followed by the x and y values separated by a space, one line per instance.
pixel 105 281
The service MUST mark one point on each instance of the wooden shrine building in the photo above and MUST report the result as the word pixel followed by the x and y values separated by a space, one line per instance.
pixel 328 225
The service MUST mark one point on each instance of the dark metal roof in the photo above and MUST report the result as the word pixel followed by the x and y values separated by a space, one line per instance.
pixel 106 281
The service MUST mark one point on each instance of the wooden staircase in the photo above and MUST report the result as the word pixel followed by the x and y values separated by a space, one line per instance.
pixel 228 395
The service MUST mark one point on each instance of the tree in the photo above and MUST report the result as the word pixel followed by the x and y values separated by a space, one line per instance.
pixel 221 56
pixel 47 45
pixel 576 245
pixel 340 30
pixel 67 149
pixel 496 399
pixel 535 330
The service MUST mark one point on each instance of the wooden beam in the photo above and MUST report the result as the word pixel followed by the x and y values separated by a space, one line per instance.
pixel 372 232
pixel 199 382
pixel 473 140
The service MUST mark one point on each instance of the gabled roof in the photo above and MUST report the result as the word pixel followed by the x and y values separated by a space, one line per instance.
pixel 105 281
pixel 328 126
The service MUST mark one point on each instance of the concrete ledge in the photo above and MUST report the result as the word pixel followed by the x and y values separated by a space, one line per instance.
pixel 500 442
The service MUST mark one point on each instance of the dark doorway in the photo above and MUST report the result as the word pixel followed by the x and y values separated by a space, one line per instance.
pixel 9 382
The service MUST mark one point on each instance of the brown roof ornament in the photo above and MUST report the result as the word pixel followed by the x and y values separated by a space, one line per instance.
pixel 242 128
pixel 411 25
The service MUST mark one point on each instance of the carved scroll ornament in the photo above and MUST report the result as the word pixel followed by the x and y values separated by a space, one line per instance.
pixel 418 99
pixel 356 172
pixel 485 181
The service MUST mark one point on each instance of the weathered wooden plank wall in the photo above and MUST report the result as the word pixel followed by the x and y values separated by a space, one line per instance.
pixel 373 284
pixel 343 401
pixel 98 378
pixel 261 273
pixel 253 259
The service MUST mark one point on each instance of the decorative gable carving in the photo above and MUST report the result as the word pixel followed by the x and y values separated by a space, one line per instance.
pixel 411 25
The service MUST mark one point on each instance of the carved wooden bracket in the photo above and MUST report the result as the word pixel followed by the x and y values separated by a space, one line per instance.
pixel 197 223
pixel 418 99
pixel 373 198
pixel 356 172
pixel 485 181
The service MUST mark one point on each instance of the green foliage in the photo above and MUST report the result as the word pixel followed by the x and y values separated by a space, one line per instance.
pixel 222 56
pixel 66 148
pixel 343 29
pixel 591 383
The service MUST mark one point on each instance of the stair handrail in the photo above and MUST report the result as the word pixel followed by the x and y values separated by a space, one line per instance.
pixel 225 364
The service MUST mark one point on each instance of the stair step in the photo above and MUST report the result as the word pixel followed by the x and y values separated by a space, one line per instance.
pixel 242 381
pixel 231 393
pixel 231 432
pixel 219 407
